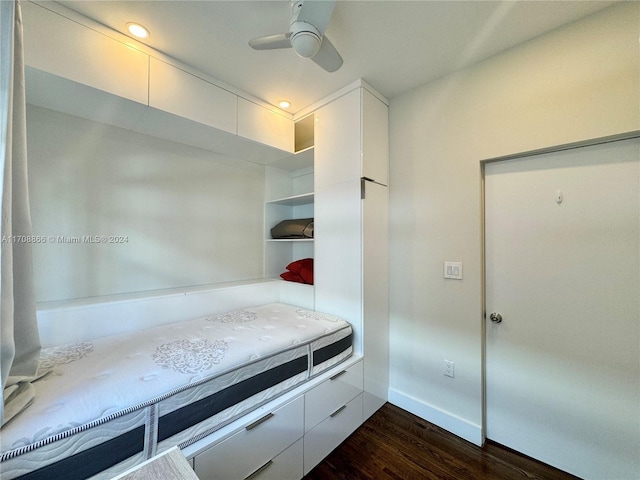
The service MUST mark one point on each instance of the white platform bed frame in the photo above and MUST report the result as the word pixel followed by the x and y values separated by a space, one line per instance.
pixel 203 413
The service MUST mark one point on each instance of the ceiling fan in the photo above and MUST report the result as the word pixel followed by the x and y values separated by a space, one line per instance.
pixel 309 20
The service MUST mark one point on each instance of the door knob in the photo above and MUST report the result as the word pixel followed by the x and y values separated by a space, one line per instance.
pixel 495 317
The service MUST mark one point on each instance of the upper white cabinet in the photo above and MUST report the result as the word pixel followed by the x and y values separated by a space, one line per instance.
pixel 90 72
pixel 54 44
pixel 337 143
pixel 175 91
pixel 363 141
pixel 375 138
pixel 262 125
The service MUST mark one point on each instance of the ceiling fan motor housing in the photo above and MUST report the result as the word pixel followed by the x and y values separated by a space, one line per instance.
pixel 305 39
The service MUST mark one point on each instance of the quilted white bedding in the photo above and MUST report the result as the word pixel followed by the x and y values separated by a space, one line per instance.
pixel 119 400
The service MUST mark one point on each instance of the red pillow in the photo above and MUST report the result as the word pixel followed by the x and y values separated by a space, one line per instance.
pixel 300 271
pixel 298 265
pixel 306 273
pixel 291 277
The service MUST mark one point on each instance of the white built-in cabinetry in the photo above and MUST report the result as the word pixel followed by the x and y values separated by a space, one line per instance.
pixel 333 410
pixel 264 126
pixel 350 207
pixel 181 93
pixel 78 67
pixel 262 442
pixel 74 70
pixel 340 179
pixel 351 221
pixel 70 50
pixel 287 438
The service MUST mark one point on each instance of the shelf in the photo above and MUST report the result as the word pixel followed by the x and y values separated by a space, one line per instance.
pixel 289 239
pixel 293 201
pixel 279 252
pixel 297 161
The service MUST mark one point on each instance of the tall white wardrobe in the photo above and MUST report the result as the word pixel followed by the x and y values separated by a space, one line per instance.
pixel 351 179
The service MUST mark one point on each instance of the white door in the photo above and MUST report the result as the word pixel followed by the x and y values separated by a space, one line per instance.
pixel 563 271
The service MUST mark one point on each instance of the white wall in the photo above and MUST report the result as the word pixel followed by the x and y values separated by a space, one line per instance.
pixel 576 83
pixel 189 217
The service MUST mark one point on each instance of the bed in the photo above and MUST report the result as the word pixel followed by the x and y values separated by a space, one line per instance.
pixel 119 400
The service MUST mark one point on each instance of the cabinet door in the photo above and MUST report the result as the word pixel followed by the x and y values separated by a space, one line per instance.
pixel 260 124
pixel 57 45
pixel 180 93
pixel 338 253
pixel 337 141
pixel 375 138
pixel 375 260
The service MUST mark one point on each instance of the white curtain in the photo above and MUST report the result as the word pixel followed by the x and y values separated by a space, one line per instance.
pixel 18 327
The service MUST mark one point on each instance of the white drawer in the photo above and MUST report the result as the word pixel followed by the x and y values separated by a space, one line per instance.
pixel 326 436
pixel 333 393
pixel 286 466
pixel 240 455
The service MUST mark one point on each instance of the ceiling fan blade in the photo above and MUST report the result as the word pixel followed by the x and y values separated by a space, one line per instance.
pixel 271 42
pixel 316 12
pixel 328 57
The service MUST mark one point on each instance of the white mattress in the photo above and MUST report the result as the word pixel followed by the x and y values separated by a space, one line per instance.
pixel 153 383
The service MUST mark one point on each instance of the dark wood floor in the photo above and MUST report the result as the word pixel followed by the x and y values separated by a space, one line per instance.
pixel 394 444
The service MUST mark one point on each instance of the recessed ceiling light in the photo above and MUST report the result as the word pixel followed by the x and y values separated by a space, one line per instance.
pixel 137 30
pixel 284 103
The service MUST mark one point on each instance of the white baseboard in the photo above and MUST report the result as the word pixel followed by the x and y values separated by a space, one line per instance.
pixel 456 425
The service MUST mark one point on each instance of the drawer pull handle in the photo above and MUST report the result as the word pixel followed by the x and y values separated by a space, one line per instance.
pixel 259 471
pixel 339 374
pixel 259 421
pixel 338 411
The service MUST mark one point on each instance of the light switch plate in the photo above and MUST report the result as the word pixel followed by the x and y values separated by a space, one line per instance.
pixel 453 270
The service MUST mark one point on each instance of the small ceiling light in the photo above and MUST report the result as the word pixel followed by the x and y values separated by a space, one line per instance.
pixel 137 30
pixel 284 104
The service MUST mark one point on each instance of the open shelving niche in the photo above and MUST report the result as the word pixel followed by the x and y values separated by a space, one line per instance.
pixel 281 252
pixel 289 195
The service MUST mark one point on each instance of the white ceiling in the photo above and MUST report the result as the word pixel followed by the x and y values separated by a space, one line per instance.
pixel 394 45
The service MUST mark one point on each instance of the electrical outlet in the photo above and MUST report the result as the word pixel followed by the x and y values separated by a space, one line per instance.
pixel 448 368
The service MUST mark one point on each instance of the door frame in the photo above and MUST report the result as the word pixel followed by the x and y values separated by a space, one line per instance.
pixel 483 164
